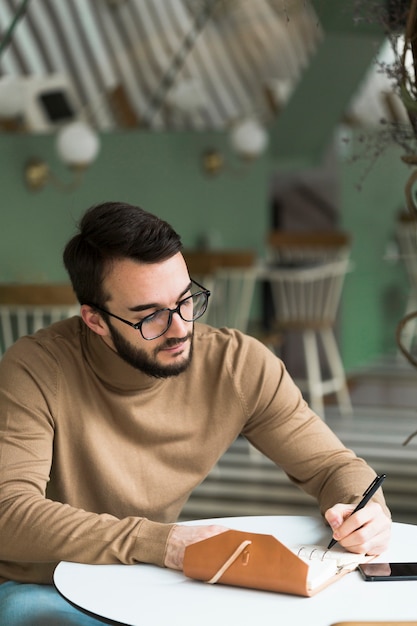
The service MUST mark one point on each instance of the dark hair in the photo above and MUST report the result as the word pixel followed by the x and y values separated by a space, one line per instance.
pixel 111 231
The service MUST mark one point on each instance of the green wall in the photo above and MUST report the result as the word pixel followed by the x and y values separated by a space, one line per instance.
pixel 162 173
pixel 375 293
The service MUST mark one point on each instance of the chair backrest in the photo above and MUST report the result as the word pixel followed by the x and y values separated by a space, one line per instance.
pixel 231 277
pixel 207 262
pixel 24 309
pixel 20 320
pixel 307 297
pixel 307 275
pixel 232 298
pixel 299 247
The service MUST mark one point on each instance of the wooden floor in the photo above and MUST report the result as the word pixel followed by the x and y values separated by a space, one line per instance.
pixel 384 398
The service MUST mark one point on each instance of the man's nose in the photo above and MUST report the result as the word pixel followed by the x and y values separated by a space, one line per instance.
pixel 178 327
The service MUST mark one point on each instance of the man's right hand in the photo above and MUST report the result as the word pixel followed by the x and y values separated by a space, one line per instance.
pixel 182 536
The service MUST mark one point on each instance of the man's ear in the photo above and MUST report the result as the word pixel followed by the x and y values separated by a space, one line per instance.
pixel 94 321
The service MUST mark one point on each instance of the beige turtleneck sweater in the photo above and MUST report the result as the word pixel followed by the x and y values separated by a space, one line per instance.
pixel 97 459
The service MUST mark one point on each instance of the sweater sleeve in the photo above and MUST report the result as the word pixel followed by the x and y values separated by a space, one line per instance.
pixel 33 528
pixel 281 425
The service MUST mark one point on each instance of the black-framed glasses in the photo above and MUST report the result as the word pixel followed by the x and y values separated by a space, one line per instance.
pixel 156 324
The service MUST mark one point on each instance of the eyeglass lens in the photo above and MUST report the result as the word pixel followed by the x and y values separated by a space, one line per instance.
pixel 189 309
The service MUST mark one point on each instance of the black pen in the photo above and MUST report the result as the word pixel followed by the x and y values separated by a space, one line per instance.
pixel 375 484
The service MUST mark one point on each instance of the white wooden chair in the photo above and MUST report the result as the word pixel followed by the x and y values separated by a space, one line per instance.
pixel 232 297
pixel 24 309
pixel 231 277
pixel 19 320
pixel 306 285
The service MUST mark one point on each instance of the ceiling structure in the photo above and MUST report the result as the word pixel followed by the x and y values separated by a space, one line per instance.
pixel 164 64
pixel 192 64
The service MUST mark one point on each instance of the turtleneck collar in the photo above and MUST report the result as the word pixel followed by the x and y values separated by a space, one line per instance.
pixel 112 369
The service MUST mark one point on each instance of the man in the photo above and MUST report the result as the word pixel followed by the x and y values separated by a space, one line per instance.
pixel 109 421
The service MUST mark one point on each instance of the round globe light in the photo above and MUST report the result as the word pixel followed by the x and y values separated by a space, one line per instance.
pixel 249 138
pixel 77 144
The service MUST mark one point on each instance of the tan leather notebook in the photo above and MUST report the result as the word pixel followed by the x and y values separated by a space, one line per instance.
pixel 261 561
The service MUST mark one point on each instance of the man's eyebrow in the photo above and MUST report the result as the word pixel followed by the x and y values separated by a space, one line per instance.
pixel 156 305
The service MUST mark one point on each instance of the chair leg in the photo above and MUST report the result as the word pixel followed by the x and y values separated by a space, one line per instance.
pixel 314 381
pixel 337 370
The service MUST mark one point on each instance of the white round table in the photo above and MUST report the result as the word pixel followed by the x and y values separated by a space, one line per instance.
pixel 142 595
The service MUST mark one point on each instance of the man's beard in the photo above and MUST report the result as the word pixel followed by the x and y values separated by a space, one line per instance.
pixel 141 360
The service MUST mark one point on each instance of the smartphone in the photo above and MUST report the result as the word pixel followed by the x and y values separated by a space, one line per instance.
pixel 388 571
